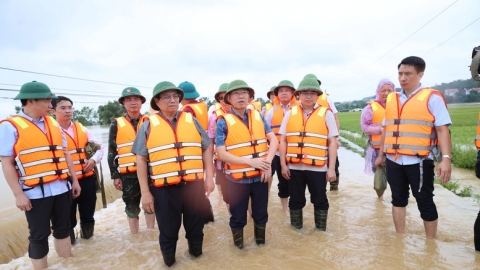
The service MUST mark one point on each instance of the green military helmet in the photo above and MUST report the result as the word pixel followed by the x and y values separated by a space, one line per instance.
pixel 238 84
pixel 222 89
pixel 314 77
pixel 34 90
pixel 131 91
pixel 189 90
pixel 163 87
pixel 286 83
pixel 271 91
pixel 310 84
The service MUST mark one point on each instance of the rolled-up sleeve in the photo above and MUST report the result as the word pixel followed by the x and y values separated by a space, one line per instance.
pixel 221 133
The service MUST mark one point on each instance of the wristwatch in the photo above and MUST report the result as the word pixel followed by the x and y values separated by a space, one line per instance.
pixel 447 156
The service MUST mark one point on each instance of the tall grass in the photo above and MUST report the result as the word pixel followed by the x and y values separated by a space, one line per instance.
pixel 463 130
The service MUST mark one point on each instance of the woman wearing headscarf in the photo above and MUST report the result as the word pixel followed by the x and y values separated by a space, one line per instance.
pixel 371 123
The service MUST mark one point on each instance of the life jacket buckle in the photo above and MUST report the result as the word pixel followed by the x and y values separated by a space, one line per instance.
pixel 300 156
pixel 255 155
pixel 180 158
pixel 52 147
pixel 254 143
pixel 82 161
pixel 301 144
pixel 396 121
pixel 79 150
pixel 396 134
pixel 56 160
pixel 302 134
pixel 395 146
pixel 181 173
pixel 177 145
pixel 58 172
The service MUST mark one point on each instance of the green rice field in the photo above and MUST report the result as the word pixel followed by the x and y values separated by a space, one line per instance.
pixel 463 129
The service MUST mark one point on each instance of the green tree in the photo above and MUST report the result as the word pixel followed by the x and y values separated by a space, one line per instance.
pixel 17 109
pixel 86 116
pixel 106 113
pixel 208 101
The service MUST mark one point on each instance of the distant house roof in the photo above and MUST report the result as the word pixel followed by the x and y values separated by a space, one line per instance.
pixel 450 92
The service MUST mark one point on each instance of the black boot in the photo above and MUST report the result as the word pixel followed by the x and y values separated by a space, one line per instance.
pixel 238 237
pixel 87 230
pixel 259 230
pixel 296 218
pixel 321 219
pixel 168 256
pixel 195 248
pixel 476 233
pixel 334 184
pixel 72 236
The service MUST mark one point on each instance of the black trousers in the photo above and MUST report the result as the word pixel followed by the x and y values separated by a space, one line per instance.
pixel 85 202
pixel 239 195
pixel 283 190
pixel 172 203
pixel 317 186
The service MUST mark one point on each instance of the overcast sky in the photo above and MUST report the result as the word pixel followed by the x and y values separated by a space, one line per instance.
pixel 347 44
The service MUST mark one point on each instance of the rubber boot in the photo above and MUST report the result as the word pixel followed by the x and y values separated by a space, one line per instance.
pixel 87 230
pixel 259 230
pixel 238 237
pixel 296 218
pixel 195 248
pixel 334 184
pixel 72 236
pixel 168 256
pixel 476 233
pixel 321 219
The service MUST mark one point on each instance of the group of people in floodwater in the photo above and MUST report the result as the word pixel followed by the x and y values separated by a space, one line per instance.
pixel 166 161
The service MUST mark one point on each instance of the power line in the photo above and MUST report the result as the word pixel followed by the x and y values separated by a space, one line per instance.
pixel 396 45
pixel 461 30
pixel 72 78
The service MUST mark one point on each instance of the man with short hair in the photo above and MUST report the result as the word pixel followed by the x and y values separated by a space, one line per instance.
pixel 36 165
pixel 284 100
pixel 122 161
pixel 174 154
pixel 77 138
pixel 241 139
pixel 416 122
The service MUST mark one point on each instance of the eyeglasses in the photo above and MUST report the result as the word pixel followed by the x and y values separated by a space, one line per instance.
pixel 309 93
pixel 169 97
pixel 220 98
pixel 240 93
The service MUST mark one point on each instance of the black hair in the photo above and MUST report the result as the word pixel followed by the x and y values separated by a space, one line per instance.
pixel 58 99
pixel 415 61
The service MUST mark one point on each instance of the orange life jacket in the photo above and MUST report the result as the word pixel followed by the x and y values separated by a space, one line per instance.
pixel 76 149
pixel 218 105
pixel 378 114
pixel 199 111
pixel 127 161
pixel 268 106
pixel 174 154
pixel 307 139
pixel 409 128
pixel 322 100
pixel 257 105
pixel 278 115
pixel 39 156
pixel 247 142
pixel 477 140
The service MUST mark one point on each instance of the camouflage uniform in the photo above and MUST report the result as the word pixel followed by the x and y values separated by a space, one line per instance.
pixel 131 188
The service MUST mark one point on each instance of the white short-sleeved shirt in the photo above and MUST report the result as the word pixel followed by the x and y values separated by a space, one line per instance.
pixel 332 132
pixel 9 136
pixel 437 107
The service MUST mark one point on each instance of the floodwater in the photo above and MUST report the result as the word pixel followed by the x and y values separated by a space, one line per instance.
pixel 360 235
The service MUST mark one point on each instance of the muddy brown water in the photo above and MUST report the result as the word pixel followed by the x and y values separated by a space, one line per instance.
pixel 360 234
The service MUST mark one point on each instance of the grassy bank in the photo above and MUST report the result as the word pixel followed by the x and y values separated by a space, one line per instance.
pixel 464 119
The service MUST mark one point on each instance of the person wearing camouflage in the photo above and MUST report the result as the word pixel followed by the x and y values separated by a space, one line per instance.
pixel 122 162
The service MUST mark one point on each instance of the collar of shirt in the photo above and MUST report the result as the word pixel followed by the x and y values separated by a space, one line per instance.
pixel 175 117
pixel 69 130
pixel 403 95
pixel 244 117
pixel 21 113
pixel 307 114
pixel 131 119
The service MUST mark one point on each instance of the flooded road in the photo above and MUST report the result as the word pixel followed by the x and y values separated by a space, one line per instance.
pixel 360 235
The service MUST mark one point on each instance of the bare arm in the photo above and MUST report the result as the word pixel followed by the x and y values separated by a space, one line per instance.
pixel 75 185
pixel 379 160
pixel 142 174
pixel 283 157
pixel 207 156
pixel 445 167
pixel 332 158
pixel 258 163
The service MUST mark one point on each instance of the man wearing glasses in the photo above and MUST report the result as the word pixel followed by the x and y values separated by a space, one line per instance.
pixel 173 151
pixel 241 139
pixel 122 162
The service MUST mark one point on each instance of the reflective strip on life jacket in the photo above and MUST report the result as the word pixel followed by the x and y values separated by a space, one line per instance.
pixel 76 148
pixel 199 112
pixel 127 162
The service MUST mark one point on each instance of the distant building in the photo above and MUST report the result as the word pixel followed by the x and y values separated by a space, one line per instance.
pixel 451 92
